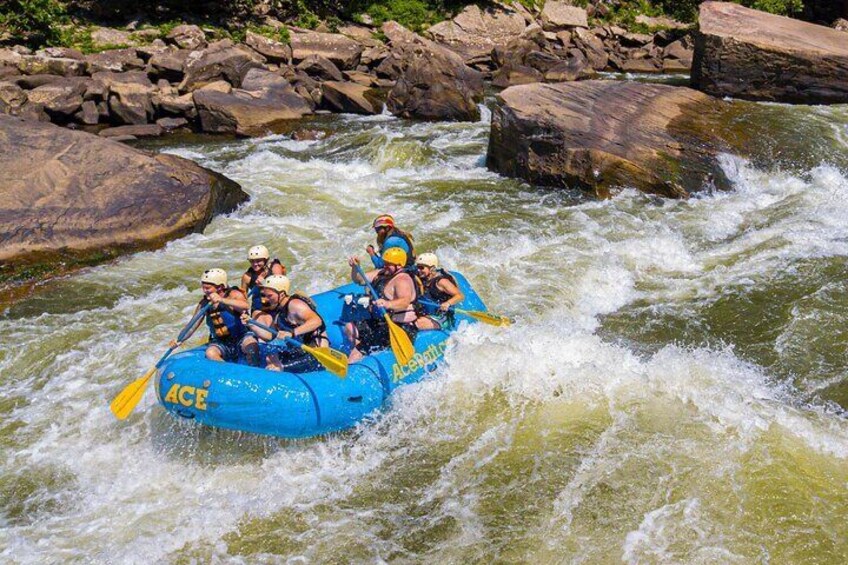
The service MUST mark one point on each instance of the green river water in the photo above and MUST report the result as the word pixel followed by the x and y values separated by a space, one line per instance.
pixel 673 389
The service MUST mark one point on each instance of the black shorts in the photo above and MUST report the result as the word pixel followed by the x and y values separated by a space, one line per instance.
pixel 374 334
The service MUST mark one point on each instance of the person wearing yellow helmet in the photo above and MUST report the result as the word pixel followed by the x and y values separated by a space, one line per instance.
pixel 293 315
pixel 261 266
pixel 398 294
pixel 439 287
pixel 228 336
pixel 389 236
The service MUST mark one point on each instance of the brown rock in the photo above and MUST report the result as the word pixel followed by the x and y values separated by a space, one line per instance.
pixel 169 63
pixel 73 193
pixel 373 56
pixel 757 56
pixel 116 60
pixel 88 114
pixel 575 67
pixel 342 51
pixel 218 86
pixel 348 97
pixel 131 102
pixel 253 112
pixel 36 65
pixel 661 22
pixel 60 53
pixel 61 100
pixel 187 37
pixel 435 84
pixel 320 68
pixel 593 48
pixel 561 15
pixel 12 97
pixel 170 124
pixel 28 82
pixel 676 66
pixel 599 135
pixel 358 77
pixel 176 105
pixel 273 51
pixel 361 34
pixel 512 75
pixel 476 31
pixel 145 130
pixel 106 37
pixel 220 61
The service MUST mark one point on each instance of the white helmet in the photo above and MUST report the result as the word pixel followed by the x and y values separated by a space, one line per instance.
pixel 218 277
pixel 280 283
pixel 258 252
pixel 428 260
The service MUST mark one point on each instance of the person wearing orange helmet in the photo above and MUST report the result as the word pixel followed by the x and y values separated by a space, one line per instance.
pixel 398 293
pixel 388 236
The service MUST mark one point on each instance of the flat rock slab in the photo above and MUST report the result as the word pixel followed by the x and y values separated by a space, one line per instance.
pixel 599 135
pixel 72 192
pixel 342 51
pixel 753 55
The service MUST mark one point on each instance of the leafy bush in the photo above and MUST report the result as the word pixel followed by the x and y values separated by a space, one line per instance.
pixel 32 22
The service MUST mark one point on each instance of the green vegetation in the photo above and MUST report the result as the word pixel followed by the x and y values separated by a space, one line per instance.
pixel 32 22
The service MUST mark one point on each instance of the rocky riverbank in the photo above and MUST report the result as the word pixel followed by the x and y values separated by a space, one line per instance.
pixel 187 80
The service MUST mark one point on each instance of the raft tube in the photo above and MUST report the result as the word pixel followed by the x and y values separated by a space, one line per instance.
pixel 236 396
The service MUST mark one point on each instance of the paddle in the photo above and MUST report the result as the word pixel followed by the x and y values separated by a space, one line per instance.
pixel 332 360
pixel 398 339
pixel 485 317
pixel 127 399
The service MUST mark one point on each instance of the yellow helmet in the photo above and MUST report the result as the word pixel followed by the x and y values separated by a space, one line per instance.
pixel 218 277
pixel 258 252
pixel 427 260
pixel 280 283
pixel 395 256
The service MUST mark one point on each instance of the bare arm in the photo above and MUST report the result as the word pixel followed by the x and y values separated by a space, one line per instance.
pixel 445 285
pixel 308 319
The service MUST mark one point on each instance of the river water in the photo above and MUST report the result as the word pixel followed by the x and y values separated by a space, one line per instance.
pixel 673 389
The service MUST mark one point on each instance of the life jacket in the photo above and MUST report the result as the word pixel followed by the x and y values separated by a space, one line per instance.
pixel 431 289
pixel 281 322
pixel 254 295
pixel 410 257
pixel 223 324
pixel 382 279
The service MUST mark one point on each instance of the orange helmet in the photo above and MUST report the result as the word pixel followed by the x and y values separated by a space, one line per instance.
pixel 384 220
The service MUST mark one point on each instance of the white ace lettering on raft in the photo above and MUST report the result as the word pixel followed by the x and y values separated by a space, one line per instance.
pixel 187 396
pixel 418 361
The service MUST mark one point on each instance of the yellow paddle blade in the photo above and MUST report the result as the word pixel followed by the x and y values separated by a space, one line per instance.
pixel 486 317
pixel 399 340
pixel 332 360
pixel 127 399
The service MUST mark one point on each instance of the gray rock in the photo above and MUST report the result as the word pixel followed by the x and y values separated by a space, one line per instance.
pixel 169 63
pixel 144 130
pixel 320 68
pixel 341 50
pixel 349 97
pixel 61 100
pixel 561 15
pixel 88 114
pixel 36 65
pixel 170 124
pixel 273 51
pixel 220 61
pixel 187 37
pixel 116 60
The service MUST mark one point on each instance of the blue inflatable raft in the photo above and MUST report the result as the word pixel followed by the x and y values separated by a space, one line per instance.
pixel 296 405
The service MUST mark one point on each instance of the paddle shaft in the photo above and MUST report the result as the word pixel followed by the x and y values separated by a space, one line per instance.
pixel 273 332
pixel 371 290
pixel 182 336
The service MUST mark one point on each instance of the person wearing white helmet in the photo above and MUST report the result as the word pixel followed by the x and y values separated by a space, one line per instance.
pixel 398 293
pixel 292 315
pixel 228 336
pixel 439 287
pixel 261 266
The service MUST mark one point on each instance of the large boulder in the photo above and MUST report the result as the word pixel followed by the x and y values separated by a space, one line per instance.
pixel 270 102
pixel 220 61
pixel 169 63
pixel 562 15
pixel 349 97
pixel 61 100
pixel 116 60
pixel 749 54
pixel 41 65
pixel 599 135
pixel 73 194
pixel 274 51
pixel 342 51
pixel 475 31
pixel 187 37
pixel 435 83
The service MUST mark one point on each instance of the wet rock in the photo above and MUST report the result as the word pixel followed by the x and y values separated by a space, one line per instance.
pixel 599 135
pixel 116 60
pixel 349 97
pixel 435 84
pixel 749 54
pixel 320 68
pixel 273 51
pixel 342 51
pixel 187 37
pixel 220 61
pixel 169 63
pixel 70 192
pixel 145 130
pixel 561 15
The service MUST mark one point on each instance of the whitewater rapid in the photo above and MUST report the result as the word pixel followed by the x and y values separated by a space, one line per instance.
pixel 669 393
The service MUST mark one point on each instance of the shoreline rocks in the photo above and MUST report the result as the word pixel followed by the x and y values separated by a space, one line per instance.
pixel 753 55
pixel 75 194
